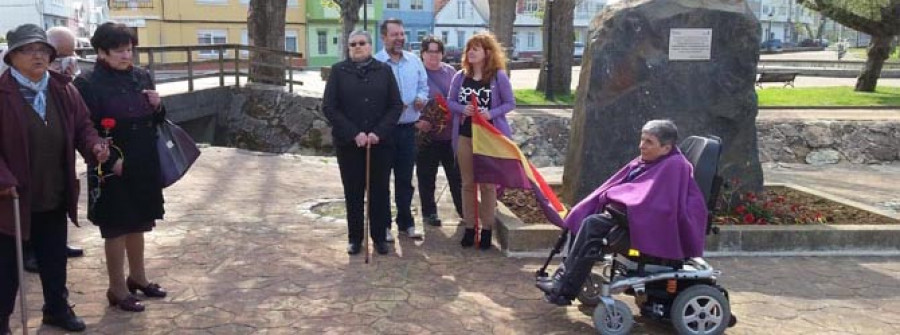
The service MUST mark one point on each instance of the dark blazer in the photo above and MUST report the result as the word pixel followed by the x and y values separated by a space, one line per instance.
pixel 361 100
pixel 14 160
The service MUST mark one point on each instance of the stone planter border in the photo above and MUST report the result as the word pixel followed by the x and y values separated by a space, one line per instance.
pixel 518 239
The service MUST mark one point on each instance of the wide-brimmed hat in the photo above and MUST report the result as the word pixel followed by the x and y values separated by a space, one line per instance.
pixel 26 34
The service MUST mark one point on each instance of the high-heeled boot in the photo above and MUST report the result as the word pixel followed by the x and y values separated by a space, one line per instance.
pixel 468 239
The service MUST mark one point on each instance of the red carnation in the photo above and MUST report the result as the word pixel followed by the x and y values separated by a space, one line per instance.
pixel 740 209
pixel 749 218
pixel 108 123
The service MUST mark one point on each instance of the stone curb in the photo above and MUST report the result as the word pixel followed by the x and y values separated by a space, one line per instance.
pixel 760 107
pixel 518 239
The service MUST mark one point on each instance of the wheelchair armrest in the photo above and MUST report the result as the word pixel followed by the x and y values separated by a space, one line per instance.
pixel 618 213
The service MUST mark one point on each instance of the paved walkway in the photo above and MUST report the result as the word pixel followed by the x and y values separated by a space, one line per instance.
pixel 239 257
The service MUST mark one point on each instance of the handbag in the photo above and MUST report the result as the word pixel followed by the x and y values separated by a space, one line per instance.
pixel 177 152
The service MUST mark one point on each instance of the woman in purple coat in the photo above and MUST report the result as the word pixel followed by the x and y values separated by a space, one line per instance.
pixel 125 194
pixel 483 76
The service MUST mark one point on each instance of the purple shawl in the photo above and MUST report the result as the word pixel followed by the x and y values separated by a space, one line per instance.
pixel 666 210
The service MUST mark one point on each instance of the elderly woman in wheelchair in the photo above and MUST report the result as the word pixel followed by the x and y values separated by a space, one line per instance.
pixel 647 224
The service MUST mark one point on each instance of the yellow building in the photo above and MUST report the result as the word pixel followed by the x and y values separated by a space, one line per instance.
pixel 193 22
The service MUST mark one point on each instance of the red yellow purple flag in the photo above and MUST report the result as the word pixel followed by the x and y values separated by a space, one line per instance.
pixel 497 160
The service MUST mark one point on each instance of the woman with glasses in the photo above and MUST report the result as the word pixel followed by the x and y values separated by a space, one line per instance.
pixel 484 78
pixel 362 103
pixel 125 193
pixel 43 120
pixel 435 147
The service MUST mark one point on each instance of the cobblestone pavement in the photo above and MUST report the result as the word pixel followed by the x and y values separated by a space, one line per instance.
pixel 239 257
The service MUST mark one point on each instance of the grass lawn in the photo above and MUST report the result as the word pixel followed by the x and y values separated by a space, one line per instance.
pixel 861 53
pixel 533 97
pixel 828 96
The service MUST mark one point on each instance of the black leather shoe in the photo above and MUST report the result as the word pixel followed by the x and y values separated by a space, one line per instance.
pixel 65 320
pixel 432 220
pixel 74 251
pixel 485 242
pixel 353 248
pixel 31 264
pixel 468 239
pixel 382 248
pixel 557 299
pixel 545 285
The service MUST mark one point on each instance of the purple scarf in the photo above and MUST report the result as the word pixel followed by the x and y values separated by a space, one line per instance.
pixel 666 210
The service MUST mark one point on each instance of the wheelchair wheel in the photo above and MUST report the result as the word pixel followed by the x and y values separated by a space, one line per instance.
pixel 591 290
pixel 701 309
pixel 618 321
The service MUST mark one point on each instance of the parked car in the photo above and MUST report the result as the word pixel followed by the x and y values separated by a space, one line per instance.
pixel 772 45
pixel 415 47
pixel 452 55
pixel 579 50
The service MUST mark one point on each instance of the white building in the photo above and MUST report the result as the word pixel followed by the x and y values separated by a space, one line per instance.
pixel 780 19
pixel 457 20
pixel 82 16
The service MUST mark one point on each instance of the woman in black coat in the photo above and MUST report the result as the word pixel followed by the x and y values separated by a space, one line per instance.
pixel 125 195
pixel 363 104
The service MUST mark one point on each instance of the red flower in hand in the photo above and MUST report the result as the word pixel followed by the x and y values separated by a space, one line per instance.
pixel 108 123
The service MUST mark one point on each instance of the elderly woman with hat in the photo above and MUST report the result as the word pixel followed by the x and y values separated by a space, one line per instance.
pixel 43 120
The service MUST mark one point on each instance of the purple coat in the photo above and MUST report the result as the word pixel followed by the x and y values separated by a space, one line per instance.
pixel 666 209
pixel 502 101
pixel 14 160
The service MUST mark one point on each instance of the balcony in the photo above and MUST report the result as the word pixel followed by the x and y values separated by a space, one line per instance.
pixel 128 4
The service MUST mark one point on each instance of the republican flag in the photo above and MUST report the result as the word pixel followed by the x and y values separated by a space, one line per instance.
pixel 497 160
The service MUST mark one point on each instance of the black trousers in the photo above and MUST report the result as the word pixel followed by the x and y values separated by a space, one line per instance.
pixel 578 264
pixel 48 237
pixel 352 163
pixel 437 153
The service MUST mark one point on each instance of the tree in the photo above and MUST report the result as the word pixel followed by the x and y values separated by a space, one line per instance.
pixel 502 18
pixel 877 18
pixel 265 29
pixel 349 18
pixel 561 24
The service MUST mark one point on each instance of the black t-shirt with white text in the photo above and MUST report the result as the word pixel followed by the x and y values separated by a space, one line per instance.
pixel 483 91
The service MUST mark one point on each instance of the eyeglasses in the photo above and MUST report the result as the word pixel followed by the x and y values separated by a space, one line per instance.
pixel 36 50
pixel 356 44
pixel 434 52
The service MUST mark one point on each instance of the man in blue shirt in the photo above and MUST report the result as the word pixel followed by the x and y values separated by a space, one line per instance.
pixel 413 82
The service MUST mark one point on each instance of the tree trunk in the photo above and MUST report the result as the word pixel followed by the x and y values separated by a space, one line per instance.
pixel 349 18
pixel 560 22
pixel 879 51
pixel 821 29
pixel 265 29
pixel 503 15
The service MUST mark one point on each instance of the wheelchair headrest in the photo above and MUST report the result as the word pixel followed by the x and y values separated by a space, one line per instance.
pixel 703 153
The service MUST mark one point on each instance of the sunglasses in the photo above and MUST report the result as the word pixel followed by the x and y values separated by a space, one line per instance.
pixel 356 44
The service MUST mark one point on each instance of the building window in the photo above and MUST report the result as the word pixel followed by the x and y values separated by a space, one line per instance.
pixel 290 41
pixel 444 36
pixel 322 41
pixel 416 4
pixel 421 35
pixel 531 38
pixel 208 37
pixel 515 39
pixel 460 9
pixel 392 4
pixel 532 6
pixel 460 39
pixel 582 11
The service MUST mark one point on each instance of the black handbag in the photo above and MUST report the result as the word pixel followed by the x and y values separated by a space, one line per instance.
pixel 177 152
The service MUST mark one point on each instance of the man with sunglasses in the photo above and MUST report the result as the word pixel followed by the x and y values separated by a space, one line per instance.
pixel 43 121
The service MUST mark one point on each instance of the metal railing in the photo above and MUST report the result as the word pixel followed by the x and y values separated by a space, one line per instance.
pixel 214 60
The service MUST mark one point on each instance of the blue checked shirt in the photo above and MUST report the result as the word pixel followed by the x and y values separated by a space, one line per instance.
pixel 412 80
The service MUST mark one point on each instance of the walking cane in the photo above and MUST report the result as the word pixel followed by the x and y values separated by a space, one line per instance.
pixel 368 224
pixel 23 306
